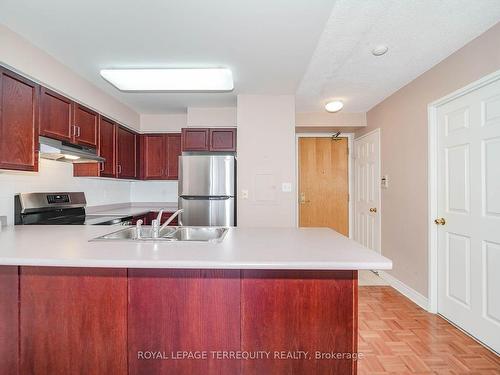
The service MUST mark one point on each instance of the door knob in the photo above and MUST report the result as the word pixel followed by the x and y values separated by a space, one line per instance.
pixel 440 221
pixel 373 209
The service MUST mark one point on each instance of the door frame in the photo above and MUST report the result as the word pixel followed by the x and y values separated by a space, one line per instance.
pixel 350 138
pixel 379 177
pixel 432 172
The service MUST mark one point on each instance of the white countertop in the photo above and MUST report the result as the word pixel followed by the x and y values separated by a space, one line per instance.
pixel 242 248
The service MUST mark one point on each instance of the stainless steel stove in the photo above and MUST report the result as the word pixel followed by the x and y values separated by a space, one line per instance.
pixel 59 209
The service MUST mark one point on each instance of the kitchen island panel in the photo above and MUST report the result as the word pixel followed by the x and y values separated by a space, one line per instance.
pixel 179 310
pixel 289 313
pixel 9 320
pixel 73 320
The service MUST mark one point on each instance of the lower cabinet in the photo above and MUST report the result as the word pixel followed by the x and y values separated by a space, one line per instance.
pixel 73 321
pixel 56 320
pixel 9 320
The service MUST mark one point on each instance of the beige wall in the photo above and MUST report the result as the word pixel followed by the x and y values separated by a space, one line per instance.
pixel 266 159
pixel 19 54
pixel 163 123
pixel 224 117
pixel 402 118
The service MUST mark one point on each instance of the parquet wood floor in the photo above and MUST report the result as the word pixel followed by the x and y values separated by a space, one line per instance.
pixel 398 337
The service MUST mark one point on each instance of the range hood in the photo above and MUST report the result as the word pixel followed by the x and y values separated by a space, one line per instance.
pixel 64 151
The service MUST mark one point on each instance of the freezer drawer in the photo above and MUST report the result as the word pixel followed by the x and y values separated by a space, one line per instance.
pixel 206 175
pixel 207 212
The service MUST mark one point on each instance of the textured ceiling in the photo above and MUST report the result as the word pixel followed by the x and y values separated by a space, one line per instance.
pixel 267 44
pixel 419 35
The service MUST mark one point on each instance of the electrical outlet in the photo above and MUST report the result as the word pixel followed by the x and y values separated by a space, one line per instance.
pixel 244 194
pixel 286 187
pixel 384 182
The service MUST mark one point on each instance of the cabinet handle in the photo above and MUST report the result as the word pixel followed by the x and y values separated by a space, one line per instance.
pixel 119 169
pixel 101 169
pixel 73 128
pixel 78 135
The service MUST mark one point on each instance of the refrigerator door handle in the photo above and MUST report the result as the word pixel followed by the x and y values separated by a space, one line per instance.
pixel 193 198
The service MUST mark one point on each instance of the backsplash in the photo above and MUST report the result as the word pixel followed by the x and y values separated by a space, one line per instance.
pixel 57 176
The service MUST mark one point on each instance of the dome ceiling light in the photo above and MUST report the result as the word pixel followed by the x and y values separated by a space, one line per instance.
pixel 334 106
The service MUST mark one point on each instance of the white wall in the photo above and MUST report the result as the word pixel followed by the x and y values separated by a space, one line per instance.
pixel 58 176
pixel 266 159
pixel 19 54
pixel 163 123
pixel 224 117
pixel 153 191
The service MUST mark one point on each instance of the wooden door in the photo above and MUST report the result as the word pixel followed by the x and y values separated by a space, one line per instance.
pixel 56 116
pixel 223 139
pixel 73 320
pixel 367 202
pixel 107 147
pixel 324 183
pixel 18 122
pixel 195 139
pixel 86 124
pixel 153 156
pixel 126 153
pixel 173 153
pixel 469 213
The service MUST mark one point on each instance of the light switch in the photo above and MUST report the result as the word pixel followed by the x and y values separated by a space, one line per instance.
pixel 286 187
pixel 244 194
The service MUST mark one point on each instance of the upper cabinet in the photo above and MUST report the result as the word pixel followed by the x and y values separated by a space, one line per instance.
pixel 86 124
pixel 126 153
pixel 56 116
pixel 159 156
pixel 222 139
pixel 18 122
pixel 209 139
pixel 106 148
pixel 63 119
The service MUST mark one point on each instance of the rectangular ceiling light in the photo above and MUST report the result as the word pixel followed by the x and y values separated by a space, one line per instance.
pixel 212 79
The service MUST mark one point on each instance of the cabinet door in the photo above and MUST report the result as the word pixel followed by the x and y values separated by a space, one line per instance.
pixel 153 156
pixel 223 139
pixel 107 147
pixel 173 153
pixel 195 139
pixel 73 320
pixel 126 153
pixel 18 122
pixel 86 126
pixel 9 320
pixel 56 120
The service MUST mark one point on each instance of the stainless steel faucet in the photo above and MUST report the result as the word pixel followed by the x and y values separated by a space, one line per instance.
pixel 155 224
pixel 138 229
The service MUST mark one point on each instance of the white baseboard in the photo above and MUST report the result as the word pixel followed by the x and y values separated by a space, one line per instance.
pixel 405 290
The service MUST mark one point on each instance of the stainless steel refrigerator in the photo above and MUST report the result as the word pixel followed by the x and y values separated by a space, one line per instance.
pixel 207 190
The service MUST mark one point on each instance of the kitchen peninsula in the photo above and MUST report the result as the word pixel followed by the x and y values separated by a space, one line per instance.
pixel 283 298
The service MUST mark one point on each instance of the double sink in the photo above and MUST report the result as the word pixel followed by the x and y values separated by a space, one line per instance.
pixel 181 233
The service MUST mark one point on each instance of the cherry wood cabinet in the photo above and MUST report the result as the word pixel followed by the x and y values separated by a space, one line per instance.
pixel 73 320
pixel 9 320
pixel 63 119
pixel 56 116
pixel 172 310
pixel 159 156
pixel 126 144
pixel 19 102
pixel 86 124
pixel 106 149
pixel 195 139
pixel 173 153
pixel 222 139
pixel 209 139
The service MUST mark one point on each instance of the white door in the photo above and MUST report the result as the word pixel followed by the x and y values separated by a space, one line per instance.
pixel 367 190
pixel 469 203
